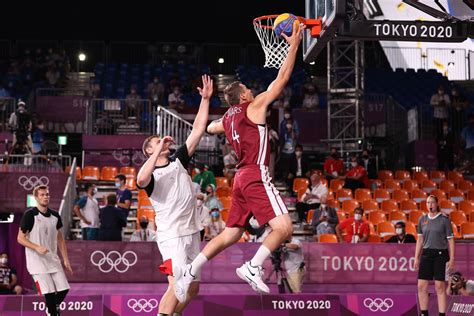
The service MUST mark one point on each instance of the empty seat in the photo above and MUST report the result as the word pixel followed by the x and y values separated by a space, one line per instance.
pixel 349 205
pixel 78 172
pixel 439 194
pixel 374 238
pixel 465 185
pixel 343 194
pixel 385 229
pixel 226 202
pixel 446 185
pixel 377 217
pixel 131 183
pixel 392 185
pixel 363 194
pixel 470 195
pixel 402 175
pixel 333 203
pixel 309 217
pixel 408 205
pixel 414 216
pixel 223 191
pixel 437 176
pixel 329 238
pixel 389 206
pixel 108 173
pixel 455 176
pixel 336 184
pixel 381 195
pixel 420 176
pixel 397 216
pixel 447 206
pixel 456 196
pixel 410 185
pixel 370 205
pixel 90 173
pixel 458 217
pixel 400 195
pixel 223 182
pixel 456 233
pixel 128 172
pixel 341 216
pixel 428 186
pixel 385 174
pixel 410 228
pixel 467 207
pixel 467 230
pixel 418 196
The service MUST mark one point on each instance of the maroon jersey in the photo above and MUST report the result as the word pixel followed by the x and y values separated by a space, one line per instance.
pixel 249 140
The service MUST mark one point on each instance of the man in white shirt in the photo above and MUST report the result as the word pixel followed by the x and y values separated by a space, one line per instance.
pixel 294 264
pixel 311 198
pixel 87 209
pixel 169 187
pixel 145 233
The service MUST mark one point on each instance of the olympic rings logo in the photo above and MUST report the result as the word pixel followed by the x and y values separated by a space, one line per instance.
pixel 114 260
pixel 378 304
pixel 121 156
pixel 29 183
pixel 142 305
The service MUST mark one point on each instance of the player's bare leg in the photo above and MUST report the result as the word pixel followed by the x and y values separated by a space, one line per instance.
pixel 192 293
pixel 168 302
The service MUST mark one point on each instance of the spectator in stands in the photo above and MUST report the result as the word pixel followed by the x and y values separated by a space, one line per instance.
pixel 356 228
pixel 105 125
pixel 333 166
pixel 356 177
pixel 311 199
pixel 299 166
pixel 325 219
pixel 132 104
pixel 274 146
pixel 95 90
pixel 52 75
pixel 458 285
pixel 124 195
pixel 216 226
pixel 459 105
pixel 369 164
pixel 156 91
pixel 401 236
pixel 145 233
pixel 204 214
pixel 445 145
pixel 8 278
pixel 287 152
pixel 37 137
pixel 283 100
pixel 310 98
pixel 230 163
pixel 294 263
pixel 212 201
pixel 21 125
pixel 440 102
pixel 87 209
pixel 287 117
pixel 467 135
pixel 175 100
pixel 112 220
pixel 204 176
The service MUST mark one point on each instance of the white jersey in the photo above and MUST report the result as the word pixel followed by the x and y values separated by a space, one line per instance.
pixel 173 198
pixel 42 229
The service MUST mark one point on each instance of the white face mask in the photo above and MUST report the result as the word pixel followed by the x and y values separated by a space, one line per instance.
pixel 354 164
pixel 323 206
pixel 199 202
pixel 399 231
pixel 3 261
pixel 357 217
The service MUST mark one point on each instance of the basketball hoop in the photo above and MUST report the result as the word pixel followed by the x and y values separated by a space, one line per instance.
pixel 276 48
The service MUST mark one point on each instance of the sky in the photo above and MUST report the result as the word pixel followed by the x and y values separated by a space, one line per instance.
pixel 191 21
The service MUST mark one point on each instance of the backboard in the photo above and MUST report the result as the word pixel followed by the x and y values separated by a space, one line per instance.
pixel 332 13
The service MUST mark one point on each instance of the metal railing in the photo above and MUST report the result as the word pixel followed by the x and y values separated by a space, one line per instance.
pixel 120 116
pixel 7 107
pixel 35 162
pixel 171 124
pixel 67 202
pixel 471 64
pixel 54 92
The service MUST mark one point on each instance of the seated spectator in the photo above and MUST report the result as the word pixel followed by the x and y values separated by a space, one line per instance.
pixel 310 98
pixel 145 233
pixel 369 164
pixel 204 214
pixel 132 104
pixel 112 220
pixel 440 102
pixel 212 201
pixel 356 229
pixel 37 137
pixel 8 278
pixel 175 99
pixel 156 91
pixel 401 236
pixel 324 219
pixel 230 163
pixel 299 167
pixel 87 209
pixel 333 166
pixel 124 195
pixel 459 105
pixel 52 75
pixel 216 226
pixel 311 199
pixel 356 177
pixel 204 176
pixel 288 118
pixel 287 153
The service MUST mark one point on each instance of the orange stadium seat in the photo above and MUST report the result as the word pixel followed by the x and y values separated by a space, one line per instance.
pixel 467 230
pixel 437 176
pixel 131 183
pixel 381 195
pixel 408 205
pixel 424 206
pixel 441 195
pixel 385 174
pixel 456 196
pixel 447 206
pixel 397 216
pixel 78 172
pixel 410 228
pixel 224 214
pixel 446 185
pixel 428 186
pixel 455 176
pixel 223 191
pixel 410 185
pixel 333 203
pixel 420 176
pixel 300 184
pixel 470 195
pixel 129 172
pixel 456 233
pixel 465 185
pixel 458 217
pixel 377 217
pixel 418 196
pixel 90 173
pixel 363 194
pixel 336 184
pixel 309 217
pixel 226 202
pixel 343 194
pixel 108 173
pixel 402 175
pixel 349 205
pixel 370 205
pixel 400 195
pixel 414 216
pixel 329 238
pixel 222 182
pixel 373 238
pixel 389 206
pixel 385 228
pixel 392 185
pixel 467 207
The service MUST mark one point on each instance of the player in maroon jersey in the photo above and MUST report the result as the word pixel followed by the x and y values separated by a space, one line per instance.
pixel 244 125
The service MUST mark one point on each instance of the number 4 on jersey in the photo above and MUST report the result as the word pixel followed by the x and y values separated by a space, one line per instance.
pixel 235 136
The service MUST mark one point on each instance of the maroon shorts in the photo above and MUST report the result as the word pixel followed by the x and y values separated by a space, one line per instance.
pixel 253 193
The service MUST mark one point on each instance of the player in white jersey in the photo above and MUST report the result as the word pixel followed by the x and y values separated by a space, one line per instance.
pixel 41 235
pixel 166 180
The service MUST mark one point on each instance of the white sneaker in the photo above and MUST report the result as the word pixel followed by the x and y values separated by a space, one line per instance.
pixel 253 276
pixel 182 281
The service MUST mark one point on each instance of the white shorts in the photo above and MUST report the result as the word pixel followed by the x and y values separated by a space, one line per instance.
pixel 51 282
pixel 180 251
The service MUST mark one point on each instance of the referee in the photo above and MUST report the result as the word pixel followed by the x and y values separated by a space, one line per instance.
pixel 435 234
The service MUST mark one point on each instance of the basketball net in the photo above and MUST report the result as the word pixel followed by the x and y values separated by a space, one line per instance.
pixel 275 48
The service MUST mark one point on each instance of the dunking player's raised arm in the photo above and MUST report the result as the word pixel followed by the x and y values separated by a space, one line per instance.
pixel 216 127
pixel 200 122
pixel 151 149
pixel 277 86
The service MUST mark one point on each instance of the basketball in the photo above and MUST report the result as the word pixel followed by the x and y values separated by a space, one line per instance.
pixel 284 24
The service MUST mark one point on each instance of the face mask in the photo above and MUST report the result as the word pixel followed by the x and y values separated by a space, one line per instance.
pixel 298 153
pixel 4 261
pixel 399 231
pixel 143 225
pixel 94 191
pixel 354 164
pixel 118 185
pixel 357 217
pixel 287 116
pixel 199 202
pixel 215 214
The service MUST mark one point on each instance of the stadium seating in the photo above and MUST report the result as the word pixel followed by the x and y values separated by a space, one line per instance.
pixel 392 185
pixel 336 184
pixel 223 191
pixel 385 175
pixel 226 202
pixel 224 214
pixel 446 185
pixel 349 205
pixel 108 173
pixel 78 172
pixel 363 194
pixel 373 238
pixel 381 195
pixel 377 217
pixel 131 183
pixel 456 196
pixel 222 182
pixel 441 195
pixel 447 206
pixel 465 186
pixel 437 176
pixel 129 172
pixel 455 176
pixel 385 228
pixel 408 205
pixel 414 216
pixel 90 173
pixel 343 194
pixel 428 186
pixel 420 176
pixel 467 230
pixel 410 185
pixel 418 196
pixel 389 206
pixel 470 195
pixel 410 228
pixel 370 205
pixel 309 217
pixel 458 218
pixel 333 203
pixel 329 238
pixel 397 216
pixel 456 233
pixel 400 195
pixel 402 175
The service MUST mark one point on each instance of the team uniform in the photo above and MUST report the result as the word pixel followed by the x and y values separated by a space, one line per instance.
pixel 173 198
pixel 46 270
pixel 253 192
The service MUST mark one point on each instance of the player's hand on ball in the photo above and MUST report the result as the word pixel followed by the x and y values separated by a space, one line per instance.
pixel 207 87
pixel 42 250
pixel 296 36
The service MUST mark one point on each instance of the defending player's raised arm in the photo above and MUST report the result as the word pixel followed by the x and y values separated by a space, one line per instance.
pixel 277 86
pixel 216 127
pixel 200 122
